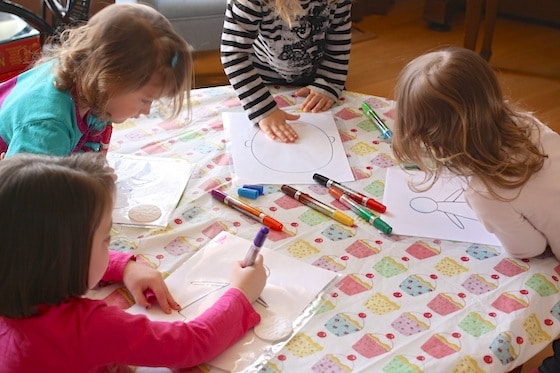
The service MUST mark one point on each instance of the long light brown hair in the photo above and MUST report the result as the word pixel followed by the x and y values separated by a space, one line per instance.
pixel 451 114
pixel 117 52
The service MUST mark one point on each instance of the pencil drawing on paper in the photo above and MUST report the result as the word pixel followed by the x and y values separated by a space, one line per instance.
pixel 200 293
pixel 453 207
pixel 272 154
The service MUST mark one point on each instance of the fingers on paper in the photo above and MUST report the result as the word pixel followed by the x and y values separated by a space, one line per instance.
pixel 161 296
pixel 282 131
pixel 316 102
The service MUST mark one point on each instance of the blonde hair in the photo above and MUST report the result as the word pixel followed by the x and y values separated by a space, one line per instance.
pixel 451 115
pixel 118 51
pixel 289 10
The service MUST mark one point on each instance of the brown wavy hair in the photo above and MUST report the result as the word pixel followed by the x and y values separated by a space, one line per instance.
pixel 117 52
pixel 451 114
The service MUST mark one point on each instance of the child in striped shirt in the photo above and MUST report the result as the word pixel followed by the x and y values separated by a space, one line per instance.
pixel 303 43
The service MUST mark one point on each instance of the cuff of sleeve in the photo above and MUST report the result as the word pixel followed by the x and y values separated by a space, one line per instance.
pixel 117 263
pixel 253 317
pixel 264 111
pixel 323 87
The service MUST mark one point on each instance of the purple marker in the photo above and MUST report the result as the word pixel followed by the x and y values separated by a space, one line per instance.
pixel 258 242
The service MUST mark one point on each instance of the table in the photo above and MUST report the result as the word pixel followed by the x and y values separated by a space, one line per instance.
pixel 402 304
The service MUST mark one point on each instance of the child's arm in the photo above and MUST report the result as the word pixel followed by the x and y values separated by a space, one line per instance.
pixel 241 27
pixel 138 278
pixel 516 234
pixel 331 74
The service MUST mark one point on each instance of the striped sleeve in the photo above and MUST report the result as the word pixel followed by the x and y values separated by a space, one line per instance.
pixel 331 74
pixel 241 25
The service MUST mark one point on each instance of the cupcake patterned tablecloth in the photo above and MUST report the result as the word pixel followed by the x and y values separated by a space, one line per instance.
pixel 401 304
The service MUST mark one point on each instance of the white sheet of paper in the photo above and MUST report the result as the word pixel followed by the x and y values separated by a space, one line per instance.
pixel 259 160
pixel 143 180
pixel 440 212
pixel 291 287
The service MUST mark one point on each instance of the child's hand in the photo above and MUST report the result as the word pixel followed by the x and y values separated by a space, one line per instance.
pixel 275 126
pixel 314 102
pixel 138 278
pixel 249 280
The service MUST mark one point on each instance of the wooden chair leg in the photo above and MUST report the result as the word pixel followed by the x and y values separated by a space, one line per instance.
pixel 489 24
pixel 473 14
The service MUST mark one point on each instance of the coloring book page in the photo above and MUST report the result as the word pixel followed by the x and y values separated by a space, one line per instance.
pixel 440 212
pixel 258 159
pixel 148 186
pixel 292 286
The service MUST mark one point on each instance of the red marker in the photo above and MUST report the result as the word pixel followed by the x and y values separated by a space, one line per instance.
pixel 358 197
pixel 248 210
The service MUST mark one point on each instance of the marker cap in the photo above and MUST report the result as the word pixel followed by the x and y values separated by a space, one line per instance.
pixel 248 193
pixel 382 226
pixel 259 188
pixel 373 204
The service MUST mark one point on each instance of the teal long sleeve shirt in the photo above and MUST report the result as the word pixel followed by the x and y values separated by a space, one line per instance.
pixel 35 117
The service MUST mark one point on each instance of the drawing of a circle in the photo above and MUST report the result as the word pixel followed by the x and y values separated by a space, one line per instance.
pixel 294 157
pixel 423 204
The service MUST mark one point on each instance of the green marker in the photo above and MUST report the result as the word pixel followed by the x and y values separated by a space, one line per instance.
pixel 360 211
pixel 372 115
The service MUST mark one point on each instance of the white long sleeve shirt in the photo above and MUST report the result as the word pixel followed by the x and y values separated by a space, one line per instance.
pixel 530 222
pixel 259 48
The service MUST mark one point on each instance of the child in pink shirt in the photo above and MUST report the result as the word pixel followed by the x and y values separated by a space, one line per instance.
pixel 55 227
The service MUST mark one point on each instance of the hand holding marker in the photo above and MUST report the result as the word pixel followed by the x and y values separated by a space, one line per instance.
pixel 251 255
pixel 358 197
pixel 360 211
pixel 255 248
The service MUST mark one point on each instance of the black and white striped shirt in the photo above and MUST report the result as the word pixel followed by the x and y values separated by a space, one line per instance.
pixel 259 48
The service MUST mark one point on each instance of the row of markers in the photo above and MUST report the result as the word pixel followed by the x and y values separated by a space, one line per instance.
pixel 365 207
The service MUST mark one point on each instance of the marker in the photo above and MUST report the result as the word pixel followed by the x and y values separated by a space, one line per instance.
pixel 372 115
pixel 317 205
pixel 356 196
pixel 360 211
pixel 248 210
pixel 255 248
pixel 150 296
pixel 251 255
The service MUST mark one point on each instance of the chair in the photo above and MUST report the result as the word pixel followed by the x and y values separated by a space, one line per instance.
pixel 473 15
pixel 35 21
pixel 55 15
pixel 65 13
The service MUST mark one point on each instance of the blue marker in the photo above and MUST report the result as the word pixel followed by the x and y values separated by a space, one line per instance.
pixel 382 127
pixel 255 248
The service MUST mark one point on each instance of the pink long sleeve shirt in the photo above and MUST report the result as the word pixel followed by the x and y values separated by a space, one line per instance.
pixel 84 335
pixel 529 222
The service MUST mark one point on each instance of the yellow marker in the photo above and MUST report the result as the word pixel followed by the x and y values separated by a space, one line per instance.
pixel 317 205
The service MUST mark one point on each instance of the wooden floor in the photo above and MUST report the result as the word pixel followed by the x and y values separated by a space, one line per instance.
pixel 526 57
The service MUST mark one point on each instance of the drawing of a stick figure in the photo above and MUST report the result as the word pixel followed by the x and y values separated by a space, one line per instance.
pixel 454 208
